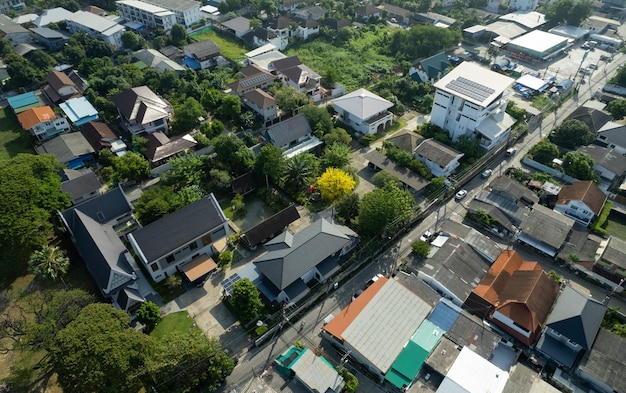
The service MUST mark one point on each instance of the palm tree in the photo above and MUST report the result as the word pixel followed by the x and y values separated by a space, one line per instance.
pixel 50 262
pixel 298 172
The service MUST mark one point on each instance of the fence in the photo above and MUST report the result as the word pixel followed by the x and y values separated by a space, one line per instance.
pixel 550 171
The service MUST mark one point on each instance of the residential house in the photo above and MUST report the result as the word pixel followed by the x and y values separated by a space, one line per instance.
pixel 294 262
pixel 603 366
pixel 24 101
pixel 81 186
pixel 312 371
pixel 100 136
pixel 607 164
pixel 377 326
pixel 15 5
pixel 367 12
pixel 253 78
pixel 545 230
pixel 435 19
pixel 469 101
pixel 300 77
pixel 161 148
pixel 410 180
pixel 292 5
pixel 53 15
pixel 314 12
pixel 262 36
pixel 581 201
pixel 441 159
pixel 157 60
pixel 141 110
pixel 521 5
pixel 187 11
pixel 13 32
pixel 401 15
pixel 306 28
pixel 335 24
pixel 210 12
pixel 201 54
pixel 262 103
pixel 96 27
pixel 528 19
pixel 516 295
pixel 484 376
pixel 611 260
pixel 42 122
pixel 406 140
pixel 593 118
pixel 613 136
pixel 281 25
pixel 270 227
pixel 70 149
pixel 243 184
pixel 52 39
pixel 431 69
pixel 146 14
pixel 60 87
pixel 166 245
pixel 91 226
pixel 571 328
pixel 364 111
pixel 238 26
pixel 79 111
pixel 513 191
pixel 293 135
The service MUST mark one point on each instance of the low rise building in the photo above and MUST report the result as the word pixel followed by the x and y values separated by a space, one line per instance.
pixel 97 27
pixel 441 159
pixel 187 11
pixel 43 123
pixel 364 111
pixel 141 110
pixel 581 201
pixel 147 14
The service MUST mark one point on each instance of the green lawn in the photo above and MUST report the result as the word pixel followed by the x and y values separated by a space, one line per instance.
pixel 12 139
pixel 176 322
pixel 232 48
pixel 358 62
pixel 616 226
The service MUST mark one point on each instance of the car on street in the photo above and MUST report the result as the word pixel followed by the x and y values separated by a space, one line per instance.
pixel 373 280
pixel 426 236
pixel 460 195
pixel 486 173
pixel 510 151
pixel 585 71
pixel 605 58
pixel 593 66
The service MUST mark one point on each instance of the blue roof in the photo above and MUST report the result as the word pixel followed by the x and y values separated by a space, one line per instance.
pixel 444 315
pixel 79 110
pixel 22 100
pixel 192 63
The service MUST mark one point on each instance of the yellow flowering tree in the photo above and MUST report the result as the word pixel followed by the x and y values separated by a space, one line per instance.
pixel 335 184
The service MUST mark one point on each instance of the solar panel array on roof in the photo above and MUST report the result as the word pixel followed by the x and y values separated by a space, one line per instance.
pixel 228 283
pixel 255 80
pixel 470 88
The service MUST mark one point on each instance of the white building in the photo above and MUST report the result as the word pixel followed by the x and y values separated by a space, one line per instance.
pixel 364 111
pixel 518 5
pixel 187 11
pixel 147 14
pixel 471 373
pixel 96 27
pixel 469 101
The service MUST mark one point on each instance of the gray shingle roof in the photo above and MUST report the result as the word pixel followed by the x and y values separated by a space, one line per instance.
pixel 362 104
pixel 288 131
pixel 606 158
pixel 165 235
pixel 81 185
pixel 141 104
pixel 436 152
pixel 203 49
pixel 615 252
pixel 66 147
pixel 506 185
pixel 104 208
pixel 547 225
pixel 287 263
pixel 606 360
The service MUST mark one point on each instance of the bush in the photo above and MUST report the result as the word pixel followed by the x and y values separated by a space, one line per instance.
pixel 352 383
pixel 367 140
pixel 259 331
pixel 272 198
pixel 420 248
pixel 598 224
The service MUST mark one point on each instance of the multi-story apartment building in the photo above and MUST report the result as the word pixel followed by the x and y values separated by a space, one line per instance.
pixel 187 11
pixel 96 27
pixel 147 14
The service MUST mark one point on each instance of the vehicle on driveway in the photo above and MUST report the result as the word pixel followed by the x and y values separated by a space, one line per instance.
pixel 486 173
pixel 460 195
pixel 426 236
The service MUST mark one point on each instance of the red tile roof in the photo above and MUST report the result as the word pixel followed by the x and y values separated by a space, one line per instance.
pixel 586 191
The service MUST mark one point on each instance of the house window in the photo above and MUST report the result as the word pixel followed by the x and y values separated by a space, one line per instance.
pixel 154 267
pixel 170 258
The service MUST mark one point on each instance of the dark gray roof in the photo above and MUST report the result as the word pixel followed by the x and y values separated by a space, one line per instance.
pixel 513 211
pixel 547 226
pixel 576 316
pixel 437 152
pixel 455 228
pixel 405 175
pixel 406 140
pixel 105 208
pixel 581 243
pixel 102 251
pixel 50 34
pixel 289 131
pixel 285 264
pixel 469 330
pixel 270 226
pixel 457 267
pixel 504 184
pixel 238 24
pixel 82 185
pixel 523 379
pixel 606 158
pixel 171 148
pixel 592 118
pixel 165 235
pixel 66 147
pixel 203 49
pixel 615 252
pixel 606 360
pixel 286 63
pixel 493 210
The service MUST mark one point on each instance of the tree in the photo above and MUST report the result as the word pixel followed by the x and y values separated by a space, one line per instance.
pixel 420 248
pixel 337 135
pixel 271 163
pixel 130 166
pixel 186 116
pixel 212 129
pixel 31 194
pixel 254 23
pixel 617 108
pixel 336 155
pixel 381 178
pixel 571 134
pixel 384 210
pixel 225 259
pixel 352 382
pixel 211 99
pixel 190 194
pixel 230 108
pixel 288 98
pixel 233 154
pixel 97 352
pixel 220 179
pixel 178 35
pixel 544 152
pixel 246 300
pixel 155 203
pixel 329 77
pixel 300 170
pixel 334 184
pixel 570 12
pixel 149 315
pixel 130 40
pixel 185 171
pixel 140 143
pixel 49 263
pixel 347 208
pixel 579 166
pixel 319 119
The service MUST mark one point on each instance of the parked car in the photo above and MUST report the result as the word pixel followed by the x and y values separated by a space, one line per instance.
pixel 486 173
pixel 460 195
pixel 426 236
pixel 605 58
pixel 359 292
pixel 585 71
pixel 593 66
pixel 373 280
pixel 510 151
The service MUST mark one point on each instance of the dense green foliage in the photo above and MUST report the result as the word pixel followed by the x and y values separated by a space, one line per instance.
pixel 544 152
pixel 347 208
pixel 149 315
pixel 384 210
pixel 617 108
pixel 246 300
pixel 569 12
pixel 270 162
pixel 614 322
pixel 420 248
pixel 336 155
pixel 421 41
pixel 49 263
pixel 406 160
pixel 599 223
pixel 579 166
pixel 571 134
pixel 352 383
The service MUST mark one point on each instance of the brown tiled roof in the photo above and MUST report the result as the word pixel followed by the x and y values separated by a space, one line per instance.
pixel 368 10
pixel 260 98
pixel 98 134
pixel 58 80
pixel 586 191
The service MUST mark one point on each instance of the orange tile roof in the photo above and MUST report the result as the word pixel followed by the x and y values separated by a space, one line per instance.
pixel 340 322
pixel 586 191
pixel 31 117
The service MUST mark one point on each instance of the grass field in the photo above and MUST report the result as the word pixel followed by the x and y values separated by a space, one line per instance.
pixel 616 226
pixel 12 140
pixel 357 62
pixel 176 322
pixel 232 48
